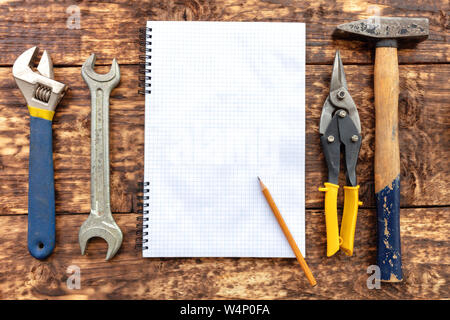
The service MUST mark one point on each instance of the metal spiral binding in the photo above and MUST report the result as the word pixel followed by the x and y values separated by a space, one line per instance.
pixel 141 235
pixel 145 41
pixel 43 93
pixel 142 226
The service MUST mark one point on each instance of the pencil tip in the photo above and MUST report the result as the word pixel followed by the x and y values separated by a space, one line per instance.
pixel 261 184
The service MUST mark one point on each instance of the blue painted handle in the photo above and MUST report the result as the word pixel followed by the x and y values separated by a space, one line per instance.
pixel 41 192
pixel 389 257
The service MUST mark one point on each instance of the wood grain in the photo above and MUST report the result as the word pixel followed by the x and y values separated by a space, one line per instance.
pixel 424 135
pixel 128 276
pixel 110 28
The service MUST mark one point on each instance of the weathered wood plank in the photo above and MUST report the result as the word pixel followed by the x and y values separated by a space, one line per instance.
pixel 424 136
pixel 110 29
pixel 128 276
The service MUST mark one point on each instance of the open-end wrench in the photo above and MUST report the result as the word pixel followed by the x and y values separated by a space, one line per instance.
pixel 100 222
pixel 42 94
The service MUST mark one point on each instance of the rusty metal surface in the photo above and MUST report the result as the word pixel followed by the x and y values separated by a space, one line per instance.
pixel 416 29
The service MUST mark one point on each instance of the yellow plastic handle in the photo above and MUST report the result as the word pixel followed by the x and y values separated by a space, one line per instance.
pixel 331 220
pixel 348 224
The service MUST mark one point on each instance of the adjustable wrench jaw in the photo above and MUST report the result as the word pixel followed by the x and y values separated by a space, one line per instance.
pixel 38 88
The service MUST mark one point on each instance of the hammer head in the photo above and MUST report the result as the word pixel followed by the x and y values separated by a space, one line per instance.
pixel 379 28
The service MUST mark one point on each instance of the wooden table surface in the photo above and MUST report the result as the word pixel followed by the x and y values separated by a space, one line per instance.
pixel 111 30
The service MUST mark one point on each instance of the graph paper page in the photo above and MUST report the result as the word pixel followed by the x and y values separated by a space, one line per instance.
pixel 227 104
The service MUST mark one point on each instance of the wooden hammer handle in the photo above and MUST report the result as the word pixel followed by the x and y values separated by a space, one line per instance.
pixel 387 163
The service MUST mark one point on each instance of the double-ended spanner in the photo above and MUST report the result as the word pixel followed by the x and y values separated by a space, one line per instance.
pixel 100 222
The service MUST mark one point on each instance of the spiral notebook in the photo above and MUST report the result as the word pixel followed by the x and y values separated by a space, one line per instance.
pixel 224 103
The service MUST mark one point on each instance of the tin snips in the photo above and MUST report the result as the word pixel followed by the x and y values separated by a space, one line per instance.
pixel 340 128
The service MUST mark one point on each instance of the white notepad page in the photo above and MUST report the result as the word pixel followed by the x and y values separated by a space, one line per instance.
pixel 227 104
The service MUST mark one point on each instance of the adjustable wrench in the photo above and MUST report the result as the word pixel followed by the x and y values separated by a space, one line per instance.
pixel 100 222
pixel 42 94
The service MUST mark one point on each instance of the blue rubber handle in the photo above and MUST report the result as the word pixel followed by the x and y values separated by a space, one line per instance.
pixel 41 192
pixel 389 257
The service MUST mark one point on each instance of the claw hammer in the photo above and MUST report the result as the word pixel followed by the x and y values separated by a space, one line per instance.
pixel 387 32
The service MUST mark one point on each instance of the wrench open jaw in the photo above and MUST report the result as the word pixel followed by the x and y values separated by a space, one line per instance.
pixel 101 226
pixel 100 222
pixel 100 81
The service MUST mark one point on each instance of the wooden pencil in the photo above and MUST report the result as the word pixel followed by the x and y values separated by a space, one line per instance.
pixel 287 233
